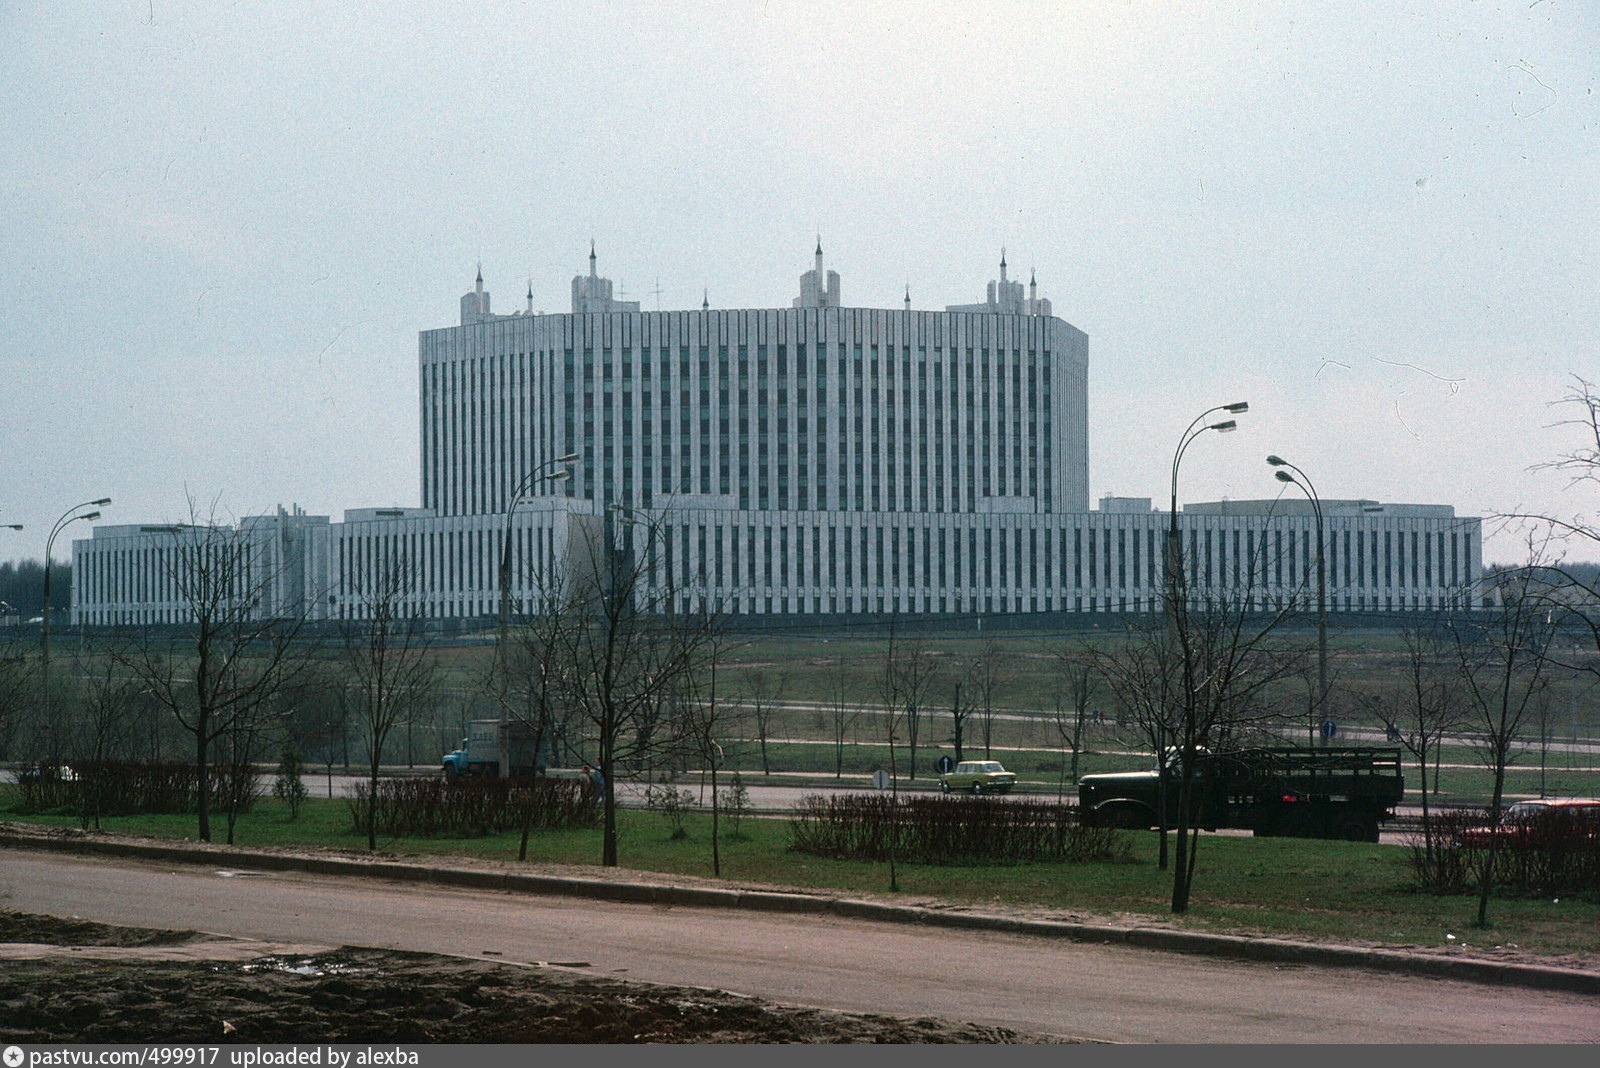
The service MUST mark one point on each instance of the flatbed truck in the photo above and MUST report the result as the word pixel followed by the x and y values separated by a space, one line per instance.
pixel 1293 792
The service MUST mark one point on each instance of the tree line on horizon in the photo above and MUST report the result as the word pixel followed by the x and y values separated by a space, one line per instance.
pixel 22 587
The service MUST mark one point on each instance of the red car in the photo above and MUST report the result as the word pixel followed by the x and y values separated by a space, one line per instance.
pixel 1540 824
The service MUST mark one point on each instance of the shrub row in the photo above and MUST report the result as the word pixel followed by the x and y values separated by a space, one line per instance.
pixel 947 830
pixel 1558 854
pixel 434 808
pixel 126 788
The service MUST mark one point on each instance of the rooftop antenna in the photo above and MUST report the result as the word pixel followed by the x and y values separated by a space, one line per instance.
pixel 657 292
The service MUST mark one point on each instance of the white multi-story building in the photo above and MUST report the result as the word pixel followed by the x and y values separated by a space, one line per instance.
pixel 811 460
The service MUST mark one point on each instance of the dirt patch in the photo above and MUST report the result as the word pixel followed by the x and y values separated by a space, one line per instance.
pixel 366 995
pixel 22 927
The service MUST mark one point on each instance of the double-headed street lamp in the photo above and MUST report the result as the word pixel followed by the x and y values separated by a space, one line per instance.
pixel 1175 569
pixel 71 515
pixel 1299 479
pixel 549 471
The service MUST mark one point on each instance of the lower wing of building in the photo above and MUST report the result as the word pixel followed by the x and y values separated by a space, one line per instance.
pixel 690 557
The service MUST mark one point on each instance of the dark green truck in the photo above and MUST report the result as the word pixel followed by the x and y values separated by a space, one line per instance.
pixel 1344 793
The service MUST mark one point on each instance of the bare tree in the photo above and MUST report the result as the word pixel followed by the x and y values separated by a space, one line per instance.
pixel 386 649
pixel 100 730
pixel 244 740
pixel 706 727
pixel 1428 705
pixel 762 690
pixel 1077 681
pixel 986 674
pixel 1570 593
pixel 234 648
pixel 843 716
pixel 625 658
pixel 1503 656
pixel 1141 672
pixel 526 681
pixel 905 686
pixel 1201 690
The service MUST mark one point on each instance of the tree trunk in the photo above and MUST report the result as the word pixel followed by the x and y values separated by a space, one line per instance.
pixel 202 798
pixel 1487 880
pixel 608 801
pixel 1181 871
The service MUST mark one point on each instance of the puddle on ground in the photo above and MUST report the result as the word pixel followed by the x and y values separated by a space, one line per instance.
pixel 300 966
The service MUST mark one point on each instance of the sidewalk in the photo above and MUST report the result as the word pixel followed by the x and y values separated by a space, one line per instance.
pixel 691 892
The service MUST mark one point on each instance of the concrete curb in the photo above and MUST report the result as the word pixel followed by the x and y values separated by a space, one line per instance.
pixel 1465 969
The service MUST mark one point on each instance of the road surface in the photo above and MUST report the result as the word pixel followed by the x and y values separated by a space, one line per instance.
pixel 1036 984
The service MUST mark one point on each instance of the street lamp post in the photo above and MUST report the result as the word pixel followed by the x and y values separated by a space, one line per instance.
pixel 1299 479
pixel 1178 637
pixel 549 471
pixel 71 515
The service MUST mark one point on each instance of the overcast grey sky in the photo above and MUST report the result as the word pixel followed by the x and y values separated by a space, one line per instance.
pixel 224 226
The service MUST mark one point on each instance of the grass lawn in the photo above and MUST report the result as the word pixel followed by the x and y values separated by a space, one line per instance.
pixel 1283 887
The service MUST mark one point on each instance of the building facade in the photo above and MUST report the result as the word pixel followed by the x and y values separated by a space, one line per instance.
pixel 812 460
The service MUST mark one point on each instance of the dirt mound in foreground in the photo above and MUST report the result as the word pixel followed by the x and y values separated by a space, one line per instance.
pixel 380 996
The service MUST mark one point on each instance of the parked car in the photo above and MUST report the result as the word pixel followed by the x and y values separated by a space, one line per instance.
pixel 979 776
pixel 1539 824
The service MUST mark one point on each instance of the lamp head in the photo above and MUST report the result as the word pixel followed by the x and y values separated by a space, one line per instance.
pixel 560 476
pixel 1236 407
pixel 91 516
pixel 101 503
pixel 567 459
pixel 1224 426
pixel 1276 461
pixel 1283 476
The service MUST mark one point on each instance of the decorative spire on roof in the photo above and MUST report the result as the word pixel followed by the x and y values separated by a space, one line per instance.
pixel 705 300
pixel 591 258
pixel 908 296
pixel 1002 263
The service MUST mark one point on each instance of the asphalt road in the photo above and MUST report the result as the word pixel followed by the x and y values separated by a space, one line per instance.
pixel 1032 983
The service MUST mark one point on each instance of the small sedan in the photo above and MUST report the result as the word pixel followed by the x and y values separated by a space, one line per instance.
pixel 1540 824
pixel 978 776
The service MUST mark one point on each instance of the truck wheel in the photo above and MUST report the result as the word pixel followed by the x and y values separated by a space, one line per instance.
pixel 977 788
pixel 1125 817
pixel 450 773
pixel 1356 829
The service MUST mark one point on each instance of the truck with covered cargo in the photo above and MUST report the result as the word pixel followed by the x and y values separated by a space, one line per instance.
pixel 1292 792
pixel 494 749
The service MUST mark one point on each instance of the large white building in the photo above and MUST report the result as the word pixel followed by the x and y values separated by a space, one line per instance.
pixel 812 460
